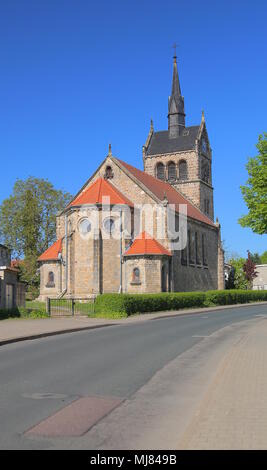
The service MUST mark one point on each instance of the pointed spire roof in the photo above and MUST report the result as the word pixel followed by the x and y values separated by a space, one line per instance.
pixel 176 89
pixel 144 244
pixel 98 191
pixel 176 114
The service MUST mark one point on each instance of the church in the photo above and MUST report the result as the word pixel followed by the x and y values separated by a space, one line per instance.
pixel 107 243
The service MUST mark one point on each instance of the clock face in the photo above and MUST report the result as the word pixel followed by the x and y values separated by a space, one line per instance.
pixel 204 145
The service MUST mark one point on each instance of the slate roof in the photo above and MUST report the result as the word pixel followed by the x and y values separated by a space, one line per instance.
pixel 161 143
pixel 98 190
pixel 144 244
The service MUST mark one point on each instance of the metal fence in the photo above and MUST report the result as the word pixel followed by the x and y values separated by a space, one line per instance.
pixel 70 307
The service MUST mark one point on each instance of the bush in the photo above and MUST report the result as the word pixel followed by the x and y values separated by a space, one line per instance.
pixel 22 312
pixel 124 305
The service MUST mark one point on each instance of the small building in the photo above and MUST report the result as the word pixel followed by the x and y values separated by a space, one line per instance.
pixel 12 291
pixel 260 282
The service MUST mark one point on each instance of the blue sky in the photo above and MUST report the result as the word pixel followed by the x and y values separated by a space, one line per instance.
pixel 77 74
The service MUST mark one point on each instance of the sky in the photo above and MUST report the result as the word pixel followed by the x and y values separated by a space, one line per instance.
pixel 76 75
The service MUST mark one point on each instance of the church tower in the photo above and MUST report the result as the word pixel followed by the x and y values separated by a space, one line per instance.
pixel 181 155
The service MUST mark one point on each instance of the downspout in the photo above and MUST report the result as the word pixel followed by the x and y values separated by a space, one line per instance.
pixel 66 259
pixel 66 254
pixel 120 289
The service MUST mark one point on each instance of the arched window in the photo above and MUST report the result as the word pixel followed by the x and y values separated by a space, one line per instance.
pixel 136 276
pixel 108 173
pixel 171 171
pixel 160 171
pixel 109 225
pixel 183 170
pixel 51 279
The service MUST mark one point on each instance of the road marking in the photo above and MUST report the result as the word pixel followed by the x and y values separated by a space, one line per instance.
pixel 200 336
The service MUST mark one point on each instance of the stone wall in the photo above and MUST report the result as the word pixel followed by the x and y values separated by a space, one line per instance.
pixel 194 187
pixel 150 274
pixel 193 275
pixel 260 282
pixel 47 290
pixel 8 277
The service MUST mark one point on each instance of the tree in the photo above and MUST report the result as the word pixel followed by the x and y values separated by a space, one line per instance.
pixel 238 278
pixel 28 222
pixel 255 190
pixel 249 269
pixel 256 258
pixel 264 257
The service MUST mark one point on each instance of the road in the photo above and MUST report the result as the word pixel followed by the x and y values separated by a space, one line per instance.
pixel 40 377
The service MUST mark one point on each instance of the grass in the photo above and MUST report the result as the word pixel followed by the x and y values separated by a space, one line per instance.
pixel 35 305
pixel 22 312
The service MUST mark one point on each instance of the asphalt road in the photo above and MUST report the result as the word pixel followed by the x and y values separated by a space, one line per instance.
pixel 39 377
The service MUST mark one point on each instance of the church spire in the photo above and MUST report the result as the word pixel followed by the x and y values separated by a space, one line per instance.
pixel 176 114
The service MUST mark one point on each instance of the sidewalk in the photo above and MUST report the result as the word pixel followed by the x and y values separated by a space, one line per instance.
pixel 14 330
pixel 20 329
pixel 233 413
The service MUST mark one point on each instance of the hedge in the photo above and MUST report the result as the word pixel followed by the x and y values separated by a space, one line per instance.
pixel 22 312
pixel 124 305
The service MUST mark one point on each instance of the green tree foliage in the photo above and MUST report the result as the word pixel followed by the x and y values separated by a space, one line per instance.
pixel 255 190
pixel 263 258
pixel 238 280
pixel 256 258
pixel 27 222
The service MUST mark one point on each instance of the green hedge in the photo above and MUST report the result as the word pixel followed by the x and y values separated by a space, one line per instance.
pixel 21 312
pixel 124 305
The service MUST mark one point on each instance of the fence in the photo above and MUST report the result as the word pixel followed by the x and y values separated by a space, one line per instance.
pixel 70 307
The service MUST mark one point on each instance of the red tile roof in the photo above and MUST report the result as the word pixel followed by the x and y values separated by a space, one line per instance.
pixel 52 252
pixel 98 190
pixel 16 263
pixel 160 189
pixel 144 244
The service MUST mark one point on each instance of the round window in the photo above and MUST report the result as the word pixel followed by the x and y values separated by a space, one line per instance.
pixel 85 226
pixel 109 225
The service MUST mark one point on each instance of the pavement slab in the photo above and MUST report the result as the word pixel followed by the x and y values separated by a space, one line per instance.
pixel 233 413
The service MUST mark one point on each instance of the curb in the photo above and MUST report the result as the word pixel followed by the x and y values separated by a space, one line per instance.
pixel 52 333
pixel 160 317
pixel 208 309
